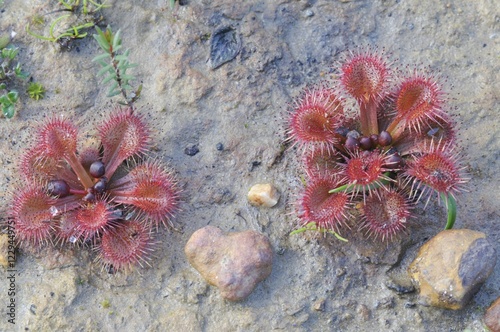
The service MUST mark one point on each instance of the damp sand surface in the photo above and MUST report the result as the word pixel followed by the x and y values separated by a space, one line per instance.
pixel 235 115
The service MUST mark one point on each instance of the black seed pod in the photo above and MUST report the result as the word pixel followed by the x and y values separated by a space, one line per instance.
pixel 58 188
pixel 384 138
pixel 342 131
pixel 351 143
pixel 90 197
pixel 100 186
pixel 365 143
pixel 97 169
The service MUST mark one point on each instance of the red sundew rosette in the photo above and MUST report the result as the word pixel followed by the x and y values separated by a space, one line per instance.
pixel 151 190
pixel 385 214
pixel 435 170
pixel 123 135
pixel 364 77
pixel 315 118
pixel 327 211
pixel 126 245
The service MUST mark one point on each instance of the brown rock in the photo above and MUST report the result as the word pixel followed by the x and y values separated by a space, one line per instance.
pixel 451 267
pixel 492 316
pixel 234 263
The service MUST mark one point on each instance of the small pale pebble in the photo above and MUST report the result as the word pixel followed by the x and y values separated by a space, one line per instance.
pixel 319 305
pixel 263 194
pixel 308 13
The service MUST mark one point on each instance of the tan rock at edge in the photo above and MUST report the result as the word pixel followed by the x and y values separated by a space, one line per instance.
pixel 451 267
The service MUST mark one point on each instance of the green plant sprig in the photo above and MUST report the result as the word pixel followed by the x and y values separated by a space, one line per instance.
pixel 115 65
pixel 8 102
pixel 36 90
pixel 72 5
pixel 313 227
pixel 8 96
pixel 74 32
pixel 77 31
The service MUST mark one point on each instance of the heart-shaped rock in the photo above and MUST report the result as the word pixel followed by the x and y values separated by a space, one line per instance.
pixel 234 263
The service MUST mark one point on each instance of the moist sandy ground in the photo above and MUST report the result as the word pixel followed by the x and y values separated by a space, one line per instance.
pixel 316 284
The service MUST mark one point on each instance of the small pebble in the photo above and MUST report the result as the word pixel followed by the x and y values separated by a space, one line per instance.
pixel 319 305
pixel 492 316
pixel 308 13
pixel 219 147
pixel 33 309
pixel 192 150
pixel 385 303
pixel 263 194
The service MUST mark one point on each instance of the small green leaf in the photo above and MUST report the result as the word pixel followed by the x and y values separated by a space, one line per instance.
pixel 117 40
pixel 451 205
pixel 108 68
pixel 117 48
pixel 13 96
pixel 19 73
pixel 113 93
pixel 111 76
pixel 4 41
pixel 100 57
pixel 130 65
pixel 52 26
pixel 337 235
pixel 121 57
pixel 9 111
pixel 102 40
pixel 127 77
pixel 37 35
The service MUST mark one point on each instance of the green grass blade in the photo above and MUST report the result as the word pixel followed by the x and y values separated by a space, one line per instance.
pixel 451 204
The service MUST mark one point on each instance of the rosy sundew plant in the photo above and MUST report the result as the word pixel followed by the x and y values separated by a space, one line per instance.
pixel 374 142
pixel 110 197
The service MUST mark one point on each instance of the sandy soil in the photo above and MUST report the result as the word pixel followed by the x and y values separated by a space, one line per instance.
pixel 316 284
